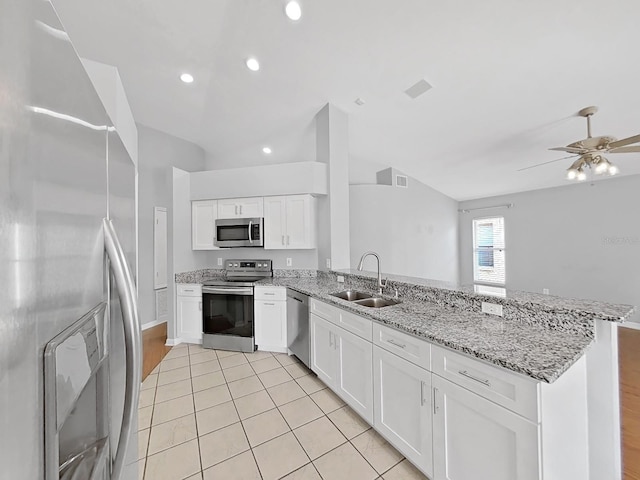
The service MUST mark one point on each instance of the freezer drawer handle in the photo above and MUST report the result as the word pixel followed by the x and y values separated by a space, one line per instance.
pixel 464 373
pixel 133 346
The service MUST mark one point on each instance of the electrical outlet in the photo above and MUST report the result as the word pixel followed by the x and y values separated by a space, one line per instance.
pixel 219 261
pixel 340 279
pixel 289 262
pixel 328 263
pixel 545 291
pixel 492 308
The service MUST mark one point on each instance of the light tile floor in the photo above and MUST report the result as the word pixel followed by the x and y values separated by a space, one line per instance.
pixel 207 414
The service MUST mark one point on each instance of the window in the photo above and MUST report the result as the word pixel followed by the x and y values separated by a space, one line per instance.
pixel 488 251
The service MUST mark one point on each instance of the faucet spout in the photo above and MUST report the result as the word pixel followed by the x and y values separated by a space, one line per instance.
pixel 381 284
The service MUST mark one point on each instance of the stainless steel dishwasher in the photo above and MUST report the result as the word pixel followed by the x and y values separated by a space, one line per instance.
pixel 298 338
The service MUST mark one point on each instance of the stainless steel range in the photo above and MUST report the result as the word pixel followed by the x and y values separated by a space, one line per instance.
pixel 227 305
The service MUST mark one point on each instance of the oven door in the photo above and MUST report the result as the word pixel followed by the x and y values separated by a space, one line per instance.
pixel 239 232
pixel 227 311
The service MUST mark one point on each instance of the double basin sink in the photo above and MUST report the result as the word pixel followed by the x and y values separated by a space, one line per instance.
pixel 364 299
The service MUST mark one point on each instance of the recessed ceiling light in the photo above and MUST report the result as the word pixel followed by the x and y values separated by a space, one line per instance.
pixel 293 11
pixel 253 64
pixel 186 78
pixel 266 150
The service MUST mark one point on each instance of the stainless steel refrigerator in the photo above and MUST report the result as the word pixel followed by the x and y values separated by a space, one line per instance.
pixel 69 332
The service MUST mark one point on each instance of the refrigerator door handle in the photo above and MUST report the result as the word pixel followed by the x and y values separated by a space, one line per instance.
pixel 133 347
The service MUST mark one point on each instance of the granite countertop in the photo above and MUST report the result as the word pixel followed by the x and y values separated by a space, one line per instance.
pixel 536 351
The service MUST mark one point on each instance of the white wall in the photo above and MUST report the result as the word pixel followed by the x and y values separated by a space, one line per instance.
pixel 158 153
pixel 580 241
pixel 414 230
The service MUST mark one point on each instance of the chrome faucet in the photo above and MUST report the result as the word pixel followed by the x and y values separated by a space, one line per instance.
pixel 381 285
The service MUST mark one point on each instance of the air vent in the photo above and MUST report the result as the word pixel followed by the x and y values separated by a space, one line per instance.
pixel 418 89
pixel 402 181
pixel 161 305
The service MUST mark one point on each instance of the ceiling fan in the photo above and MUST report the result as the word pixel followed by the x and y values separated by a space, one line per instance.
pixel 590 151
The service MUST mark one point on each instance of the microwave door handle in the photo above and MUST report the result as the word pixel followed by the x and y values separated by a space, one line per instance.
pixel 125 287
pixel 250 234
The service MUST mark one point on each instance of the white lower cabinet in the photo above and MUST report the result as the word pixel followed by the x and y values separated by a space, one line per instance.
pixel 344 362
pixel 270 317
pixel 271 325
pixel 475 438
pixel 189 313
pixel 403 407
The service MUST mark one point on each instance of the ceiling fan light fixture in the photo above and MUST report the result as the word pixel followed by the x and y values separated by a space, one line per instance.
pixel 572 174
pixel 613 170
pixel 602 165
pixel 581 177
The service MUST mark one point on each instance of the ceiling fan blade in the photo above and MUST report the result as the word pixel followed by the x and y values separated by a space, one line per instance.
pixel 550 161
pixel 625 141
pixel 568 149
pixel 630 149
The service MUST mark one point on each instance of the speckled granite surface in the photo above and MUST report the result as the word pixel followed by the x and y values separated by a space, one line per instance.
pixel 540 336
pixel 533 350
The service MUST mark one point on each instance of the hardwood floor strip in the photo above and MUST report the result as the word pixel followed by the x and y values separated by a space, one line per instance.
pixel 153 348
pixel 629 362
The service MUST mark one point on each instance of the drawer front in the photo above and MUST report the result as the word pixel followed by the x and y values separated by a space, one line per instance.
pixel 189 290
pixel 355 324
pixel 270 293
pixel 410 348
pixel 324 310
pixel 512 391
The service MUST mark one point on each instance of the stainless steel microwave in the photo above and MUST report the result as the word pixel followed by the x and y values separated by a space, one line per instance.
pixel 239 232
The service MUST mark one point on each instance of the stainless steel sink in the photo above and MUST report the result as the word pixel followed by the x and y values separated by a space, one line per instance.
pixel 376 302
pixel 351 295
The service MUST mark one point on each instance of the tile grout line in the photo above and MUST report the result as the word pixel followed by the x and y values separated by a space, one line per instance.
pixel 195 415
pixel 241 424
pixel 276 407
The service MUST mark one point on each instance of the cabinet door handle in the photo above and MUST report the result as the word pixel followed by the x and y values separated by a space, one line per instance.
pixel 484 382
pixel 393 342
pixel 422 399
pixel 288 242
pixel 235 209
pixel 200 306
pixel 435 404
pixel 330 339
pixel 282 239
pixel 240 209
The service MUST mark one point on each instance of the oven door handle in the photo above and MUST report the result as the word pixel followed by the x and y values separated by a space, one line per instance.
pixel 228 291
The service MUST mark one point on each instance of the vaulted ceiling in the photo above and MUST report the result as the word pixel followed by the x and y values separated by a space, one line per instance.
pixel 508 77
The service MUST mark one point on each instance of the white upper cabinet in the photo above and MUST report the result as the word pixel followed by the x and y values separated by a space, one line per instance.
pixel 240 207
pixel 203 219
pixel 289 222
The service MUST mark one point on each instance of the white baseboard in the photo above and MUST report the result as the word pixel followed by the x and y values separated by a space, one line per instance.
pixel 268 348
pixel 172 342
pixel 155 323
pixel 634 325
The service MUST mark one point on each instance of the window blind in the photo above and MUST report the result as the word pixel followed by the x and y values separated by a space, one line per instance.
pixel 489 250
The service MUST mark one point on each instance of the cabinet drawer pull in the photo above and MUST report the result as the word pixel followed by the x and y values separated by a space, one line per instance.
pixel 267 293
pixel 270 304
pixel 464 373
pixel 187 290
pixel 392 342
pixel 435 405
